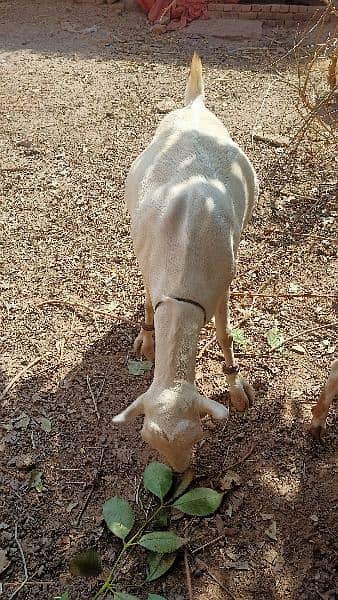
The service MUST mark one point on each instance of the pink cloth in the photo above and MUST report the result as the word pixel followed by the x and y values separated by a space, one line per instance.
pixel 180 14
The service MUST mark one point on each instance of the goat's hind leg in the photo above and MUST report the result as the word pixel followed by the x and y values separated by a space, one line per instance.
pixel 144 343
pixel 241 392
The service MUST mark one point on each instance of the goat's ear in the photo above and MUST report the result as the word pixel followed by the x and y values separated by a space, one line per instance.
pixel 213 408
pixel 135 409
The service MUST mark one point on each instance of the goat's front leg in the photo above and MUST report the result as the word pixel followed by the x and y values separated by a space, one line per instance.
pixel 320 411
pixel 241 392
pixel 144 343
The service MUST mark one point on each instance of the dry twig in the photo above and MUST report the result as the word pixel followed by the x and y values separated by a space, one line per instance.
pixel 277 142
pixel 304 332
pixel 23 562
pixel 94 485
pixel 22 372
pixel 93 397
pixel 80 305
pixel 241 460
pixel 188 575
pixel 284 295
pixel 220 537
pixel 215 579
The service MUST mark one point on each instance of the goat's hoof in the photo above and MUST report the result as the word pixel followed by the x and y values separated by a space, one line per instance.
pixel 317 430
pixel 138 345
pixel 241 396
pixel 144 347
pixel 148 352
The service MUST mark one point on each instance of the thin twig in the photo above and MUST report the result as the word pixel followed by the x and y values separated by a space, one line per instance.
pixel 284 295
pixel 206 346
pixel 23 562
pixel 272 141
pixel 80 305
pixel 95 483
pixel 304 332
pixel 93 398
pixel 188 575
pixel 18 375
pixel 13 169
pixel 212 576
pixel 265 97
pixel 220 537
pixel 241 460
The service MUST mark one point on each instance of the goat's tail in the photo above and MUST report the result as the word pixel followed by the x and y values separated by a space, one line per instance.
pixel 195 86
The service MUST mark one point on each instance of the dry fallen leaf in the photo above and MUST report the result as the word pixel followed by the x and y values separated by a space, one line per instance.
pixel 238 565
pixel 4 561
pixel 298 348
pixel 230 554
pixel 71 505
pixel 235 502
pixel 267 516
pixel 230 480
pixel 44 423
pixel 271 532
pixel 314 518
pixel 274 559
pixel 22 421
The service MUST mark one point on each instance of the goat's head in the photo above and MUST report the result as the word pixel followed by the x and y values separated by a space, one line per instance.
pixel 172 420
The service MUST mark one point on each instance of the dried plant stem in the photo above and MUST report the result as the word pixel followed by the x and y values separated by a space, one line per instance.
pixel 80 305
pixel 283 295
pixel 94 485
pixel 241 460
pixel 19 375
pixel 214 541
pixel 23 562
pixel 304 332
pixel 188 575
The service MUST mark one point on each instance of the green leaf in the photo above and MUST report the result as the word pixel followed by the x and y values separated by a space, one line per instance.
pixel 157 479
pixel 155 597
pixel 44 423
pixel 183 483
pixel 139 367
pixel 161 541
pixel 65 596
pixel 275 338
pixel 124 596
pixel 119 516
pixel 35 480
pixel 87 564
pixel 238 336
pixel 158 564
pixel 162 518
pixel 22 421
pixel 199 502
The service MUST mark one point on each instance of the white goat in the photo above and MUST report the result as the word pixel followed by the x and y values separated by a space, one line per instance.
pixel 189 194
pixel 320 411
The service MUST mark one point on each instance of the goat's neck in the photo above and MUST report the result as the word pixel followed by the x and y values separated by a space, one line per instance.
pixel 177 327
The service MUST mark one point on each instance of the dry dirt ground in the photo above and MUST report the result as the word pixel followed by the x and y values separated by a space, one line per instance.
pixel 76 108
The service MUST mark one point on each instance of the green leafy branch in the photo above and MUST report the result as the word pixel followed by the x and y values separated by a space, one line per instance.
pixel 162 545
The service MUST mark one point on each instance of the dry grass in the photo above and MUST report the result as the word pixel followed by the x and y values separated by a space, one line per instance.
pixel 317 81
